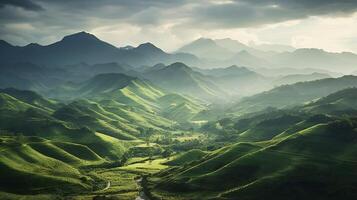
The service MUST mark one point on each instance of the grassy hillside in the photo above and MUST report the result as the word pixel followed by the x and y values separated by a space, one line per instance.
pixel 28 160
pixel 299 160
pixel 179 108
pixel 193 155
pixel 294 94
pixel 341 102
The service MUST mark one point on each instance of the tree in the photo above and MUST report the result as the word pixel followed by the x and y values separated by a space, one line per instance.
pixel 167 153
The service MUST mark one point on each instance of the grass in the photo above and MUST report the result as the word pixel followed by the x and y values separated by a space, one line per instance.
pixel 146 167
pixel 300 164
pixel 18 161
pixel 186 157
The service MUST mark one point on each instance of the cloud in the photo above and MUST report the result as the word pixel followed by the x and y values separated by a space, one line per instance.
pixel 168 22
pixel 25 4
pixel 249 13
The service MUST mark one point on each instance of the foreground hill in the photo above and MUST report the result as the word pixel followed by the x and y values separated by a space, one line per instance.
pixel 32 160
pixel 299 161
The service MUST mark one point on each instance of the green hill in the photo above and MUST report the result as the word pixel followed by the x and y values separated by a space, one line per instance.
pixel 179 108
pixel 193 155
pixel 20 161
pixel 299 161
pixel 31 98
pixel 341 102
pixel 180 78
pixel 295 94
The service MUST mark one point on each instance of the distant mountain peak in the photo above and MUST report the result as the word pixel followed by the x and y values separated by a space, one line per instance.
pixel 179 65
pixel 80 36
pixel 204 40
pixel 148 47
pixel 3 43
pixel 33 45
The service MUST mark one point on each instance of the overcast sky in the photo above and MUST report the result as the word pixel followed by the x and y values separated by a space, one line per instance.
pixel 327 24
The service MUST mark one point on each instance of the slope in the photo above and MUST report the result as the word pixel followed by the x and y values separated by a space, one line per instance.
pixel 296 164
pixel 180 78
pixel 289 95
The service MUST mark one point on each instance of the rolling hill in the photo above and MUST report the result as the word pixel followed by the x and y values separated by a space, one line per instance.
pixel 299 160
pixel 295 94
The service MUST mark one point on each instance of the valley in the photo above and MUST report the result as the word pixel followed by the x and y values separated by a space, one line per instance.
pixel 108 123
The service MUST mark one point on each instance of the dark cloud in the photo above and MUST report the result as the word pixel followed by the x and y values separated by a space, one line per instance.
pixel 247 13
pixel 61 17
pixel 25 4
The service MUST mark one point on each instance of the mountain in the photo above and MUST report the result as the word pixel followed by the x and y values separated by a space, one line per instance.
pixel 294 78
pixel 225 52
pixel 85 47
pixel 245 58
pixel 235 46
pixel 338 103
pixel 232 45
pixel 207 49
pixel 285 71
pixel 298 93
pixel 29 76
pixel 273 47
pixel 180 78
pixel 231 52
pixel 236 80
pixel 233 70
pixel 316 58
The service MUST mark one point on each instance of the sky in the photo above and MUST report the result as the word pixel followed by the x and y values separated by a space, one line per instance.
pixel 169 24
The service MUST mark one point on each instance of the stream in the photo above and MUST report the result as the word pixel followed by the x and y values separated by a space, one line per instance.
pixel 142 195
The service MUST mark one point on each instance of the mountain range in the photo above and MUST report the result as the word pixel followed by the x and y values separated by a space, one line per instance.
pixel 232 52
pixel 85 47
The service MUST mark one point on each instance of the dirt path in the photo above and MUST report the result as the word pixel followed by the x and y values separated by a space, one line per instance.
pixel 142 195
pixel 107 187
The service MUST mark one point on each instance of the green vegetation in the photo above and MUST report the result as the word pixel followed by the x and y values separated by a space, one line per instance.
pixel 187 157
pixel 118 137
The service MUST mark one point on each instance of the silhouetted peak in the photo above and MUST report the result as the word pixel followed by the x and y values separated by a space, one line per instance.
pixel 178 66
pixel 32 45
pixel 81 36
pixel 203 40
pixel 3 43
pixel 148 47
